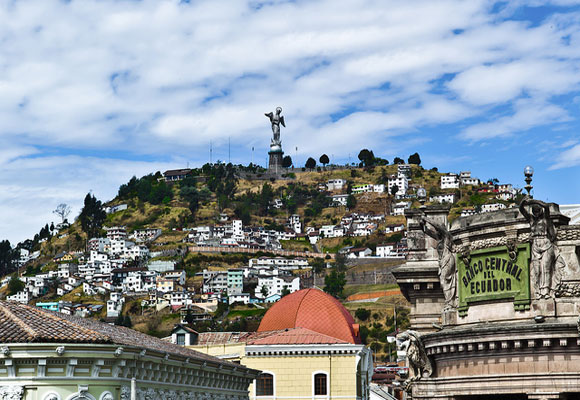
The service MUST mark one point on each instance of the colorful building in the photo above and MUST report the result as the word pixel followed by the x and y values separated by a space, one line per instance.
pixel 307 347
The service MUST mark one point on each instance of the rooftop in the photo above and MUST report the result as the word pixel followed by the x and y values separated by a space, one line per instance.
pixel 20 323
pixel 314 310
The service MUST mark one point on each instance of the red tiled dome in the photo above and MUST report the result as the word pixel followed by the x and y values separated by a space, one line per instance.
pixel 315 310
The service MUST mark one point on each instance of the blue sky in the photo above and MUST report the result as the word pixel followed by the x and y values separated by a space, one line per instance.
pixel 93 92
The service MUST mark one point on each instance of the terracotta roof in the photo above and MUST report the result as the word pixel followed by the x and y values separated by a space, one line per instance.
pixel 315 310
pixel 20 323
pixel 298 336
pixel 211 338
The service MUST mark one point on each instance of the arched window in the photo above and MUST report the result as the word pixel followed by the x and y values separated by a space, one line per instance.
pixel 265 385
pixel 320 384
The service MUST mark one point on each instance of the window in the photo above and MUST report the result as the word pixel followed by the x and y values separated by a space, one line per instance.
pixel 181 339
pixel 265 385
pixel 320 388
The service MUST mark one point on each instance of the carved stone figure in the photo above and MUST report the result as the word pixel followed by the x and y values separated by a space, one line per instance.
pixel 51 396
pixel 410 342
pixel 107 396
pixel 5 351
pixel 276 119
pixel 60 350
pixel 11 392
pixel 447 266
pixel 543 248
pixel 125 392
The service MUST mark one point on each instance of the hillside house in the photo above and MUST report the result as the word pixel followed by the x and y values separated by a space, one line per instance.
pixel 450 181
pixel 175 175
pixel 360 252
pixel 335 184
pixel 145 235
pixel 339 200
pixel 449 198
pixel 276 284
pixel 332 231
pixel 402 183
pixel 400 207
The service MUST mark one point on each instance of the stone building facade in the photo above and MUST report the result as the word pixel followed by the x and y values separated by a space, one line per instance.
pixel 495 304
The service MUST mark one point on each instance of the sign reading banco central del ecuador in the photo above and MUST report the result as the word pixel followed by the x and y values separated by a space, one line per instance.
pixel 494 274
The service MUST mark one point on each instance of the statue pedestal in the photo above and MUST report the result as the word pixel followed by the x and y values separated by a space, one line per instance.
pixel 449 317
pixel 544 307
pixel 275 163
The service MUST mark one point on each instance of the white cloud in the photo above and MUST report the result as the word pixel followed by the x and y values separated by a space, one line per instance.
pixel 568 158
pixel 157 80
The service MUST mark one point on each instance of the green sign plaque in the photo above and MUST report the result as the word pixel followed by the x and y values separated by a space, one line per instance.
pixel 493 275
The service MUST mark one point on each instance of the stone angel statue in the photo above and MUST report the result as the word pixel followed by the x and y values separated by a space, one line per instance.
pixel 276 119
pixel 447 265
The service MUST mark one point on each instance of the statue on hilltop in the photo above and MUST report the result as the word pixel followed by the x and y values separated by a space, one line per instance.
pixel 276 119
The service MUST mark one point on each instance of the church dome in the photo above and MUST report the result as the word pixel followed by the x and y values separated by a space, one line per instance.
pixel 315 310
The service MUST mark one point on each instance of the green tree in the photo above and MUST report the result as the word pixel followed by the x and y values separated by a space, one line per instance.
pixel 285 291
pixel 92 216
pixel 264 291
pixel 366 157
pixel 15 285
pixel 362 314
pixel 340 261
pixel 350 201
pixel 394 189
pixel 191 195
pixel 414 159
pixel 7 257
pixel 398 160
pixel 334 283
pixel 324 160
pixel 310 163
pixel 318 265
pixel 286 162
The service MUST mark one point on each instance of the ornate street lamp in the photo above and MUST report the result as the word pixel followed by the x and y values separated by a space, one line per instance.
pixel 528 172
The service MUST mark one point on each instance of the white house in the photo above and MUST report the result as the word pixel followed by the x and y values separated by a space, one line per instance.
pixel 385 250
pixel 380 188
pixel 364 188
pixel 468 212
pixel 335 184
pixel 21 297
pixel 450 181
pixel 492 207
pixel 276 284
pixel 339 200
pixel 363 228
pixel 294 223
pixel 146 235
pixel 239 298
pixel 400 207
pixel 361 252
pixel 444 198
pixel 331 231
pixel 402 183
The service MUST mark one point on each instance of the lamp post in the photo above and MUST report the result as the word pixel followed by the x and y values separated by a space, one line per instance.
pixel 528 172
